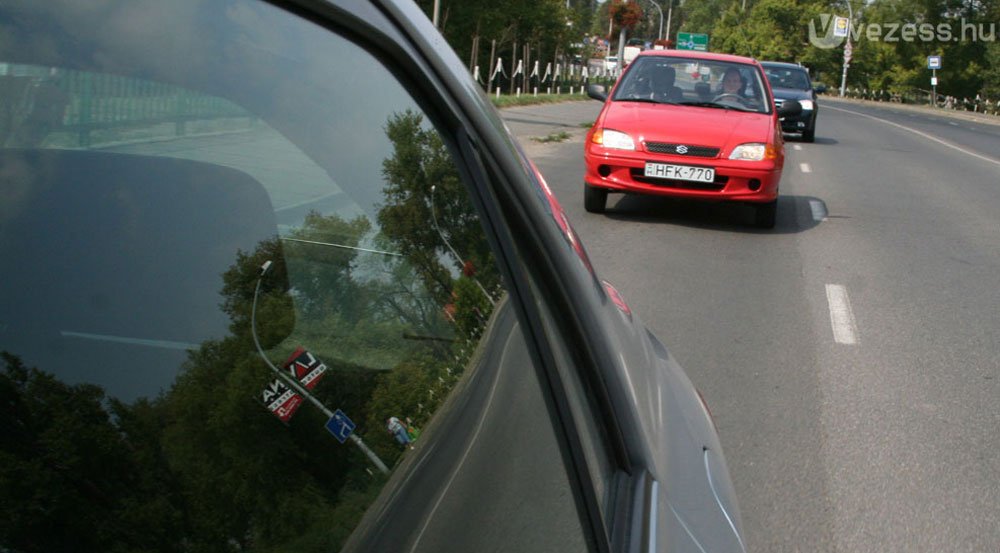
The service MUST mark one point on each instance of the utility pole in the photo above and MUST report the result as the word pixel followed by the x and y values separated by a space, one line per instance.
pixel 848 49
pixel 670 11
pixel 621 49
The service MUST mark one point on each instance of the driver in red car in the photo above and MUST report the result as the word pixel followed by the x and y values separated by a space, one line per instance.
pixel 732 82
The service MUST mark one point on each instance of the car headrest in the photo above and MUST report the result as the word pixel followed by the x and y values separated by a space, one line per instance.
pixel 124 246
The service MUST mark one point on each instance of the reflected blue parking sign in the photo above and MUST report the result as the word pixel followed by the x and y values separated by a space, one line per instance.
pixel 933 62
pixel 340 426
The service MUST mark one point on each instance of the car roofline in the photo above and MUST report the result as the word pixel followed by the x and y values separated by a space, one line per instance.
pixel 699 55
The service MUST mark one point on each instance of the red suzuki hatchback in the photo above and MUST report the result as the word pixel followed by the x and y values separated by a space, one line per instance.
pixel 688 124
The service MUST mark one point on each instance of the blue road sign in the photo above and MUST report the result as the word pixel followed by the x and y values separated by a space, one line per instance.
pixel 340 426
pixel 933 62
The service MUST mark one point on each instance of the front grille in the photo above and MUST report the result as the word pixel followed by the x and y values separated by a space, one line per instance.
pixel 638 175
pixel 778 102
pixel 681 149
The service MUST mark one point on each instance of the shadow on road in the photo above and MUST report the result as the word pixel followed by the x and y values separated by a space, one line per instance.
pixel 795 213
pixel 794 138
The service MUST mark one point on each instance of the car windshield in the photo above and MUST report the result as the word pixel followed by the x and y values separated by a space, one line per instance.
pixel 695 82
pixel 793 78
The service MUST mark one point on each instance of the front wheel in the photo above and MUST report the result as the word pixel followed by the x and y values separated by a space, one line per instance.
pixel 594 199
pixel 765 215
pixel 809 135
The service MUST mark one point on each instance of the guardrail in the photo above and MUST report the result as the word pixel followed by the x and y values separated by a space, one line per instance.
pixel 923 97
pixel 70 108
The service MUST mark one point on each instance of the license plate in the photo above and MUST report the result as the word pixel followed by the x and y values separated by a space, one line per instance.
pixel 680 172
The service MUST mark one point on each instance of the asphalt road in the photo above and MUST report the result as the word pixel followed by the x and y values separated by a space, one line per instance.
pixel 851 356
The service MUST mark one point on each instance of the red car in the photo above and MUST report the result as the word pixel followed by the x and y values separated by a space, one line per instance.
pixel 688 124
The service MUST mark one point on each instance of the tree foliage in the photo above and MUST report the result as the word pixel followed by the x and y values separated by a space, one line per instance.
pixel 205 467
pixel 891 58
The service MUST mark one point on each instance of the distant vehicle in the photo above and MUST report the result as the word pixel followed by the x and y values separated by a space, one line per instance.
pixel 611 63
pixel 791 81
pixel 691 125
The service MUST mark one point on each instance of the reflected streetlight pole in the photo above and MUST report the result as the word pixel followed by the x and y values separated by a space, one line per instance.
pixel 294 384
pixel 452 250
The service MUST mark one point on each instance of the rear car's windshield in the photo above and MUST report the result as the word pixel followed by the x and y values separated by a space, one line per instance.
pixel 788 77
pixel 690 81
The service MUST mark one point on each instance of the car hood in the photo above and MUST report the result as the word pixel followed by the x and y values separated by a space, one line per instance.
pixel 723 128
pixel 791 93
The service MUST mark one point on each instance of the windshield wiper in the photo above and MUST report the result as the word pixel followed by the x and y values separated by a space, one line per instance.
pixel 706 105
pixel 715 105
pixel 638 99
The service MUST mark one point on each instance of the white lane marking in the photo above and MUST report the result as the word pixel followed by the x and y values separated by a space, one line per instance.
pixel 797 147
pixel 841 316
pixel 805 168
pixel 923 134
pixel 953 123
pixel 472 442
pixel 818 209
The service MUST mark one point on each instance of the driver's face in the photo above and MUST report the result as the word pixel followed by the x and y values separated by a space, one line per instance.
pixel 731 82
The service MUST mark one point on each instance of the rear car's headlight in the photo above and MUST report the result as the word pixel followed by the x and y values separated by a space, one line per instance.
pixel 753 151
pixel 613 139
pixel 806 104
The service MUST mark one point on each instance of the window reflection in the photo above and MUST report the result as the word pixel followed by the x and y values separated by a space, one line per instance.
pixel 137 395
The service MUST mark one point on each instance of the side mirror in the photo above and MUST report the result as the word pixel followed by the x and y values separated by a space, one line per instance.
pixel 820 88
pixel 597 92
pixel 790 108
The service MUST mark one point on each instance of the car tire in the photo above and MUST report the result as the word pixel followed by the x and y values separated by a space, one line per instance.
pixel 594 199
pixel 765 215
pixel 809 135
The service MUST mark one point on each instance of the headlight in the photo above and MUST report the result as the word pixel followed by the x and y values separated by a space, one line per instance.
pixel 753 152
pixel 613 139
pixel 806 104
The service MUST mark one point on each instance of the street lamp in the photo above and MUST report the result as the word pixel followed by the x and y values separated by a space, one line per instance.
pixel 372 456
pixel 452 250
pixel 659 9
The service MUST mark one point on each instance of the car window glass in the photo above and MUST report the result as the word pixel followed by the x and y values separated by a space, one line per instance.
pixel 248 314
pixel 682 80
pixel 788 78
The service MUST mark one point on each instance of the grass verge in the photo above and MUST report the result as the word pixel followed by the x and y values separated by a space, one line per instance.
pixel 528 99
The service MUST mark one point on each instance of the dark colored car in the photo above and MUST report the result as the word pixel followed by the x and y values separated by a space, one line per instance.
pixel 791 81
pixel 278 279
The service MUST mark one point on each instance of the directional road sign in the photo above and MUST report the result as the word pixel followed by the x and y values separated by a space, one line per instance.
pixel 692 41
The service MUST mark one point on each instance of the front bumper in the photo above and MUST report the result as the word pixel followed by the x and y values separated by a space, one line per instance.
pixel 748 181
pixel 799 123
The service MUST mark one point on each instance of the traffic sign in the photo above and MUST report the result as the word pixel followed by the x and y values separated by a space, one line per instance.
pixel 841 27
pixel 340 426
pixel 692 41
pixel 848 52
pixel 933 62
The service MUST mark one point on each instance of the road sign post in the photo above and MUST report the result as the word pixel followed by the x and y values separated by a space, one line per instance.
pixel 934 63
